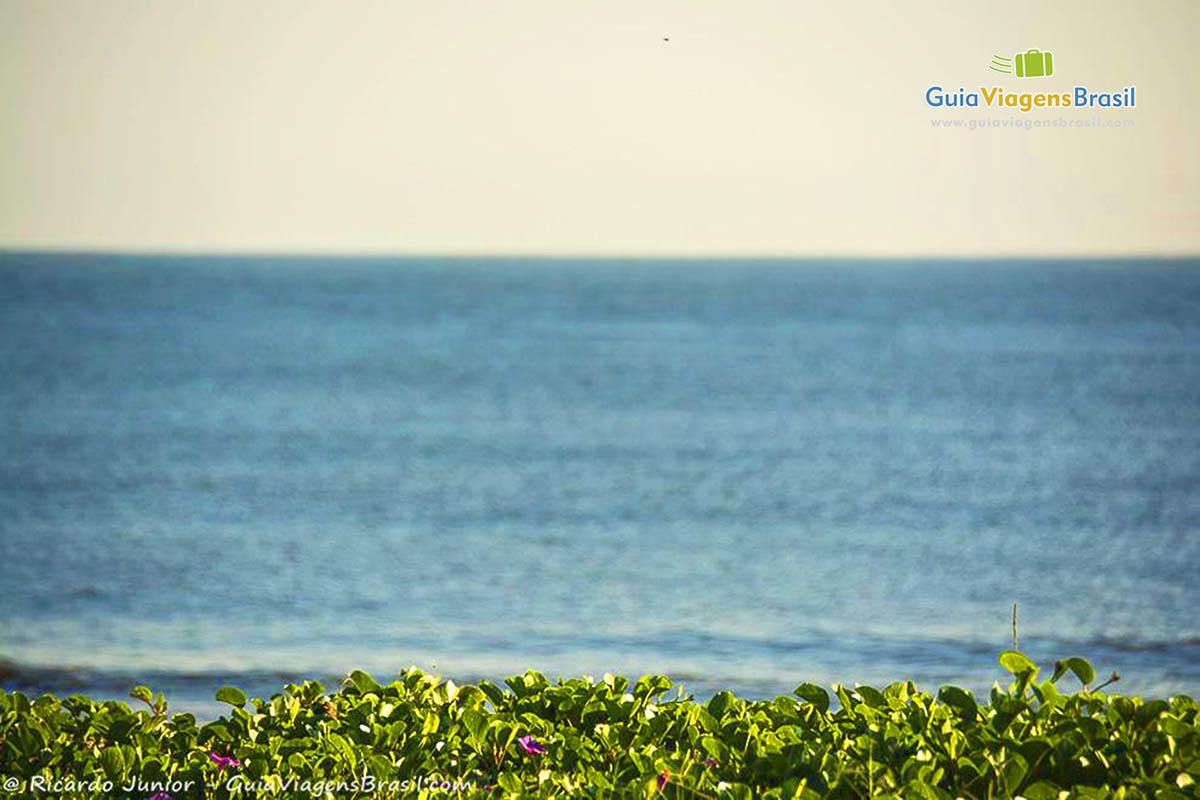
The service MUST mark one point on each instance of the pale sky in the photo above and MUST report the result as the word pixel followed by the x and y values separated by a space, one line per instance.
pixel 765 127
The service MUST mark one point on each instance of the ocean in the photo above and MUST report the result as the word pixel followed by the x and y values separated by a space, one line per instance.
pixel 743 474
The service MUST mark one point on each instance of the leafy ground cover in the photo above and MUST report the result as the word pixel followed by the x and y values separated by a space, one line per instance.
pixel 420 736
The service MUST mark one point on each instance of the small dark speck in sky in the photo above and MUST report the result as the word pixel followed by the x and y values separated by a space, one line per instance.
pixel 665 39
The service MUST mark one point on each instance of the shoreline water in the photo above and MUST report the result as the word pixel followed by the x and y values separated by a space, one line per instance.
pixel 1174 666
pixel 746 477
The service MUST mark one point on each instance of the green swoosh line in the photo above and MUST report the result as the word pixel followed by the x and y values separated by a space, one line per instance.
pixel 1001 58
pixel 1006 71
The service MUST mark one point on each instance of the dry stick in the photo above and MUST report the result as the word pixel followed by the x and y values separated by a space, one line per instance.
pixel 1016 642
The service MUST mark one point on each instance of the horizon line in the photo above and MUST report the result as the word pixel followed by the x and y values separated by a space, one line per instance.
pixel 500 255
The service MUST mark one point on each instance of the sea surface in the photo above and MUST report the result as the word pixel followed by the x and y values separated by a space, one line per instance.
pixel 746 475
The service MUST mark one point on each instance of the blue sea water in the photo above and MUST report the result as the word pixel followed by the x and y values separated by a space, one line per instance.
pixel 744 474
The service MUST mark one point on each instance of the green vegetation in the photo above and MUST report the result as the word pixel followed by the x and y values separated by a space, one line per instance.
pixel 612 739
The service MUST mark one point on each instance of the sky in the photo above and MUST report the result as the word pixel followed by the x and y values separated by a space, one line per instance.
pixel 615 128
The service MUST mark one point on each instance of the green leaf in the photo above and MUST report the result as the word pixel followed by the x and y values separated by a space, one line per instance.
pixel 714 747
pixel 1013 772
pixel 813 694
pixel 363 682
pixel 1042 790
pixel 476 724
pixel 444 692
pixel 113 763
pixel 720 703
pixel 1174 727
pixel 142 693
pixel 470 697
pixel 1047 693
pixel 219 730
pixel 960 700
pixel 643 763
pixel 844 698
pixel 1082 669
pixel 707 721
pixel 493 693
pixel 502 733
pixel 1002 720
pixel 344 749
pixel 231 695
pixel 1170 794
pixel 1092 728
pixel 1149 712
pixel 1035 749
pixel 381 767
pixel 1016 663
pixel 871 696
pixel 651 686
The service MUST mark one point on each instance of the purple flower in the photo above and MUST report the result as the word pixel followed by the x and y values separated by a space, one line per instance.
pixel 223 761
pixel 664 778
pixel 531 746
pixel 160 796
pixel 710 762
